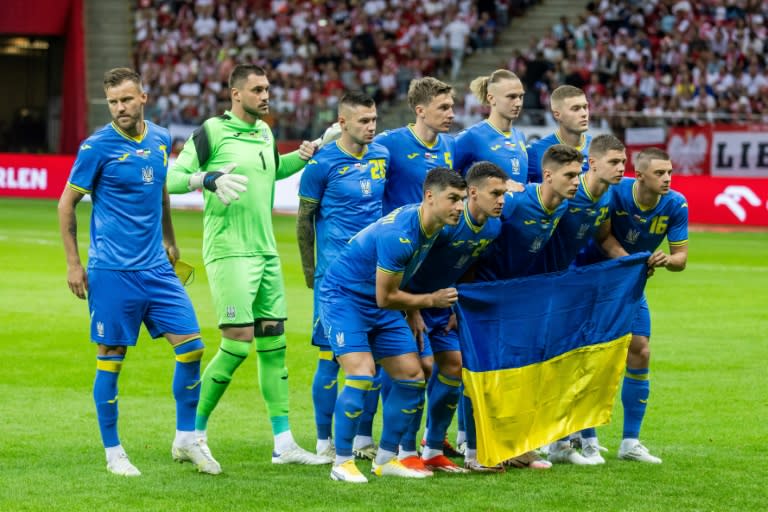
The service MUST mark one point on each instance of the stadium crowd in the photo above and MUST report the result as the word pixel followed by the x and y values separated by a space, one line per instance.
pixel 642 64
pixel 662 61
pixel 313 51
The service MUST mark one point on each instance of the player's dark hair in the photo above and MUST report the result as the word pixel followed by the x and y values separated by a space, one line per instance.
pixel 479 86
pixel 560 155
pixel 564 92
pixel 422 90
pixel 117 76
pixel 241 72
pixel 356 99
pixel 440 178
pixel 480 171
pixel 644 157
pixel 604 143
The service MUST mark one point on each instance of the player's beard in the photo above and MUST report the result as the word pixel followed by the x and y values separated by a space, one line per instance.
pixel 256 113
pixel 134 122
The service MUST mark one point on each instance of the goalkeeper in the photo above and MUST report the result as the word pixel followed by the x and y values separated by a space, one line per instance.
pixel 233 157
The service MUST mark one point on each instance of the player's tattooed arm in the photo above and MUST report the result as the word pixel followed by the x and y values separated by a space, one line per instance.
pixel 77 279
pixel 305 235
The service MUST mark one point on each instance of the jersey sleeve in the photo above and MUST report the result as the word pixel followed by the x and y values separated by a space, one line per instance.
pixel 534 164
pixel 394 251
pixel 186 163
pixel 313 181
pixel 678 229
pixel 463 152
pixel 86 167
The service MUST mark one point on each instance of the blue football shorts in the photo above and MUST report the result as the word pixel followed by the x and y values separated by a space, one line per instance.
pixel 120 300
pixel 641 325
pixel 436 319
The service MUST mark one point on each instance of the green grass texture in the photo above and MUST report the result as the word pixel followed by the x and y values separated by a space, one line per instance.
pixel 707 416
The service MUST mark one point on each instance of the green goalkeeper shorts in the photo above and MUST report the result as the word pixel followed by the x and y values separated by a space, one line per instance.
pixel 246 289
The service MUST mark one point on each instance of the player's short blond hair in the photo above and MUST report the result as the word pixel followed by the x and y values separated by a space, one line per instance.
pixel 422 91
pixel 644 157
pixel 563 93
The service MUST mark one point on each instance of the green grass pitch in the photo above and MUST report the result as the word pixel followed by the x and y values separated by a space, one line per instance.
pixel 707 416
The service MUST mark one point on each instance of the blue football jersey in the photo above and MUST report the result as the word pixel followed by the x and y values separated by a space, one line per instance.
pixel 348 189
pixel 526 227
pixel 639 229
pixel 410 159
pixel 484 141
pixel 537 149
pixel 454 251
pixel 576 228
pixel 396 244
pixel 125 178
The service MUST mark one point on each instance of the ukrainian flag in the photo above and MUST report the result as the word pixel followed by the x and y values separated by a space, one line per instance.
pixel 543 355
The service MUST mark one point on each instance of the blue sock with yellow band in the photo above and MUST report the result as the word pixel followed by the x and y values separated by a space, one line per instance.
pixel 349 408
pixel 324 391
pixel 365 428
pixel 105 397
pixel 186 382
pixel 443 401
pixel 634 398
pixel 406 399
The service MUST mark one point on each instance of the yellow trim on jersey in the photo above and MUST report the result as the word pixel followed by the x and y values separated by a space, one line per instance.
pixel 422 142
pixel 541 203
pixel 325 355
pixel 678 243
pixel 386 271
pixel 78 189
pixel 139 138
pixel 582 141
pixel 109 366
pixel 503 133
pixel 359 157
pixel 467 217
pixel 308 199
pixel 583 181
pixel 191 356
pixel 637 203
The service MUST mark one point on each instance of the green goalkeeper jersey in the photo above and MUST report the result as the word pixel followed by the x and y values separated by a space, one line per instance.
pixel 244 228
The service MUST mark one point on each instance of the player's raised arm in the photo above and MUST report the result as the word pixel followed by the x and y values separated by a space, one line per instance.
pixel 305 235
pixel 77 279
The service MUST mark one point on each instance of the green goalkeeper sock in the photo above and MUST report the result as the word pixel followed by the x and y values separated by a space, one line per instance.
pixel 217 377
pixel 273 380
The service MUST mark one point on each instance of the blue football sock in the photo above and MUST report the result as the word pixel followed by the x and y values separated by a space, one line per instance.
pixel 405 399
pixel 408 440
pixel 634 398
pixel 105 397
pixel 443 401
pixel 324 391
pixel 186 382
pixel 469 422
pixel 386 385
pixel 460 426
pixel 365 428
pixel 349 408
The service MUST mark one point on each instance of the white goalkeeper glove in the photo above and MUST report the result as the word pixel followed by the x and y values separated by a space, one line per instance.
pixel 332 133
pixel 221 182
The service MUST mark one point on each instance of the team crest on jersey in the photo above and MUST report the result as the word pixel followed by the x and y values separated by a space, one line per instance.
pixel 430 156
pixel 365 187
pixel 100 329
pixel 230 312
pixel 143 153
pixel 462 261
pixel 265 134
pixel 632 236
pixel 148 175
pixel 515 165
pixel 340 339
pixel 582 231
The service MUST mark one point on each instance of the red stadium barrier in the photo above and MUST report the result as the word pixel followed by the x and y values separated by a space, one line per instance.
pixel 725 201
pixel 34 176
